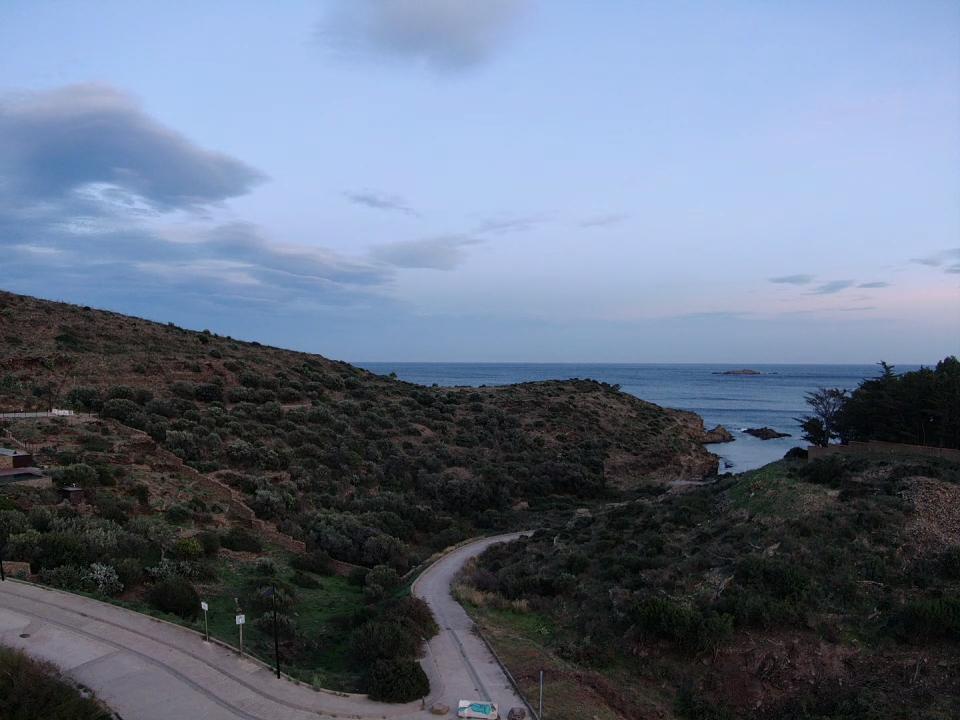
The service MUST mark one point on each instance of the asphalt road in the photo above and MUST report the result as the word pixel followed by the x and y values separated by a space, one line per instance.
pixel 146 669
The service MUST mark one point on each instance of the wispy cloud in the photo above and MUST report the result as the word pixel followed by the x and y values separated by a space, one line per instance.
pixel 599 221
pixel 829 288
pixel 506 224
pixel 792 279
pixel 948 259
pixel 878 284
pixel 446 35
pixel 444 252
pixel 381 201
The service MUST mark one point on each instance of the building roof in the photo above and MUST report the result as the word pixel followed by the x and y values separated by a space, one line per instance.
pixel 10 453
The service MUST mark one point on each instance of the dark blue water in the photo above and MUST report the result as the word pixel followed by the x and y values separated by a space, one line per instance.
pixel 773 399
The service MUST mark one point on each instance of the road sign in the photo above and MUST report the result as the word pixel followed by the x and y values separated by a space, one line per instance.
pixel 241 619
pixel 204 606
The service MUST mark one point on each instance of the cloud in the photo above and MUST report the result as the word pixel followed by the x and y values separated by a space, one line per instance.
pixel 948 259
pixel 711 315
pixel 443 34
pixel 792 279
pixel 97 196
pixel 60 144
pixel 506 224
pixel 874 285
pixel 603 220
pixel 829 288
pixel 444 252
pixel 380 201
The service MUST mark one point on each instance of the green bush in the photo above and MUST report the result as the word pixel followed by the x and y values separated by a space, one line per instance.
pixel 304 580
pixel 929 619
pixel 175 596
pixel 65 577
pixel 241 539
pixel 78 474
pixel 317 562
pixel 178 514
pixel 32 689
pixel 397 681
pixel 383 640
pixel 210 542
pixel 187 548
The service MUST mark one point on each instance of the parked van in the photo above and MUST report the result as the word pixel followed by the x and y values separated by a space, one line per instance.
pixel 478 710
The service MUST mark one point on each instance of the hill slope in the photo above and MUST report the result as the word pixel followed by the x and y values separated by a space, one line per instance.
pixel 821 591
pixel 335 455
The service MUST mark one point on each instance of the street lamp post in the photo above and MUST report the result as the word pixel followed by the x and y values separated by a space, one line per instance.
pixel 276 633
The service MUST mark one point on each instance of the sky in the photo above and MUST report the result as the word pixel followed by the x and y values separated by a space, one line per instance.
pixel 494 180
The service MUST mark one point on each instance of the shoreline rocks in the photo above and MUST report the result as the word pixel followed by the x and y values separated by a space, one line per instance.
pixel 719 434
pixel 765 433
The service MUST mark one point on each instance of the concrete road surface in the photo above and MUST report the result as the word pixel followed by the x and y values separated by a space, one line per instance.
pixel 146 669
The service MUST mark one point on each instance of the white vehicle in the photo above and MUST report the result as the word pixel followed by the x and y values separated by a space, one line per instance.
pixel 478 710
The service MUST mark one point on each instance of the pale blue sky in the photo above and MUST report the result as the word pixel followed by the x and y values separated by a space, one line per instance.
pixel 552 180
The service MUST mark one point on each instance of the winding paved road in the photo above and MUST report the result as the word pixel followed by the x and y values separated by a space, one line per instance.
pixel 146 669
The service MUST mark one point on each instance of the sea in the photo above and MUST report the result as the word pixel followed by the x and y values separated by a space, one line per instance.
pixel 774 398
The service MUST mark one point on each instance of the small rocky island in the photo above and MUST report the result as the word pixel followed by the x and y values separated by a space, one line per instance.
pixel 742 371
pixel 719 434
pixel 765 433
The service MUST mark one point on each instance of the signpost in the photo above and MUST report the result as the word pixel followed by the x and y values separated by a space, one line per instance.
pixel 241 621
pixel 540 714
pixel 206 627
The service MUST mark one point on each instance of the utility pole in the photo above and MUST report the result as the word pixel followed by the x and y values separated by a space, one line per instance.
pixel 276 633
pixel 3 575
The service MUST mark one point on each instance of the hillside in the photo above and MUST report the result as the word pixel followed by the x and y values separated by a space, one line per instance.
pixel 826 591
pixel 219 466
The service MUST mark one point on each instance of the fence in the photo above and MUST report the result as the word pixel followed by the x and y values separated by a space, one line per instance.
pixel 40 414
pixel 877 447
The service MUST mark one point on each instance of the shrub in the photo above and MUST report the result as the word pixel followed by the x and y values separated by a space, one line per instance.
pixel 928 619
pixel 65 577
pixel 416 613
pixel 382 640
pixel 103 579
pixel 241 539
pixel 178 514
pixel 130 571
pixel 208 392
pixel 286 626
pixel 210 542
pixel 175 596
pixel 266 566
pixel 79 474
pixel 317 562
pixel 397 681
pixel 84 398
pixel 126 411
pixel 31 689
pixel 141 491
pixel 187 548
pixel 304 580
pixel 379 582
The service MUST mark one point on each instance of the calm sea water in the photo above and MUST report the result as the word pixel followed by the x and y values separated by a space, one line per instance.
pixel 773 399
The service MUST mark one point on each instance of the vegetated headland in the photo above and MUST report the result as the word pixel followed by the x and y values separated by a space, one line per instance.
pixel 218 468
pixel 214 468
